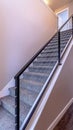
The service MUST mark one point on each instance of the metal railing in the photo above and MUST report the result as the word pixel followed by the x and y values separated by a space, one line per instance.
pixel 17 80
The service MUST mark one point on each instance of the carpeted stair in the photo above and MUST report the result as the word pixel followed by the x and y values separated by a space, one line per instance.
pixel 31 82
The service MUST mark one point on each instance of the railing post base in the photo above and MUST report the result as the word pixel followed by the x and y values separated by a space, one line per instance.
pixel 72 26
pixel 59 63
pixel 17 101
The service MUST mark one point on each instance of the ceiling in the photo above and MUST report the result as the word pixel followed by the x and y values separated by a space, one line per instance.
pixel 56 4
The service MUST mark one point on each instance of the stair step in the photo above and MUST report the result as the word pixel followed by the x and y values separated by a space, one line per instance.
pixel 45 63
pixel 7 121
pixel 65 35
pixel 39 77
pixel 29 85
pixel 40 69
pixel 54 40
pixel 51 47
pixel 50 51
pixel 27 96
pixel 49 56
pixel 63 42
pixel 54 47
pixel 47 59
pixel 8 103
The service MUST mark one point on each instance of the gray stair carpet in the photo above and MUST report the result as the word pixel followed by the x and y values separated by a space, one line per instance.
pixel 31 83
pixel 66 123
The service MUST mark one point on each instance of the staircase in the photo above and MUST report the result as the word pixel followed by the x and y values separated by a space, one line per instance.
pixel 31 82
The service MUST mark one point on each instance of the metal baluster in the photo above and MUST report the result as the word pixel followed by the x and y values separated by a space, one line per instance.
pixel 72 26
pixel 17 104
pixel 59 48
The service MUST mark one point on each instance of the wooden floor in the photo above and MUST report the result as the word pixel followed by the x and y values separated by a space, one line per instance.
pixel 66 122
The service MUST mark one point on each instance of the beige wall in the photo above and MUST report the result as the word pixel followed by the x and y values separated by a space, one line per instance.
pixel 69 6
pixel 60 96
pixel 24 28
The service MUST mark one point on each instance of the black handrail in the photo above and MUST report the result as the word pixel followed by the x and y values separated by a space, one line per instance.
pixel 32 59
pixel 17 93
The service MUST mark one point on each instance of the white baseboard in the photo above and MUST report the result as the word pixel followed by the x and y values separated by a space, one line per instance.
pixel 58 118
pixel 5 90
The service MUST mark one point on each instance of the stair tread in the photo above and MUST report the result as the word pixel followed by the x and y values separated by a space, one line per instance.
pixel 45 61
pixel 36 74
pixel 49 51
pixel 7 121
pixel 44 67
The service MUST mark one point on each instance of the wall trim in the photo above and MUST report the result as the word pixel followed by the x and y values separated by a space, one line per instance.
pixel 58 118
pixel 5 90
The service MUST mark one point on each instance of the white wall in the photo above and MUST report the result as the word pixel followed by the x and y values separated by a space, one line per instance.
pixel 24 28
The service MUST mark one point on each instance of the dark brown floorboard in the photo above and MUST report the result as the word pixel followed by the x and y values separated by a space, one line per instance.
pixel 66 123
